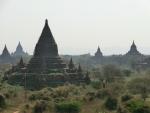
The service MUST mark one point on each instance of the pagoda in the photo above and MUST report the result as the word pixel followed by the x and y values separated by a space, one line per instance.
pixel 98 53
pixel 5 56
pixel 46 58
pixel 133 50
pixel 46 67
pixel 19 51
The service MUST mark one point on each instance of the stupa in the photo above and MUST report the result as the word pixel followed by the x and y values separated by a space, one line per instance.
pixel 46 58
pixel 46 67
pixel 133 50
pixel 5 56
pixel 98 53
pixel 19 51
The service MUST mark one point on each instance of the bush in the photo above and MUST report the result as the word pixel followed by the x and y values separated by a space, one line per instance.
pixel 111 72
pixel 140 86
pixel 102 93
pixel 125 98
pixel 68 107
pixel 39 107
pixel 137 106
pixel 2 101
pixel 111 103
pixel 96 84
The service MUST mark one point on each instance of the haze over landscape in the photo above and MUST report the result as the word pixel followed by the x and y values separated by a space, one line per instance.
pixel 78 26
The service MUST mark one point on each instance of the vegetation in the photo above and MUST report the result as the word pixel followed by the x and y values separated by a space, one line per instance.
pixel 112 89
pixel 111 103
pixel 68 107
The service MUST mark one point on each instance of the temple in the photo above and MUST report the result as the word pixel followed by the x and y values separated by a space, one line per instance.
pixel 5 56
pixel 46 66
pixel 46 58
pixel 98 54
pixel 133 50
pixel 19 51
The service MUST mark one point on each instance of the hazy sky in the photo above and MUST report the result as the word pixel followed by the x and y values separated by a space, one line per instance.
pixel 78 26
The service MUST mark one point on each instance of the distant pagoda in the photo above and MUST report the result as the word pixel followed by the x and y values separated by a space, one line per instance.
pixel 133 50
pixel 46 58
pixel 5 56
pixel 98 53
pixel 19 51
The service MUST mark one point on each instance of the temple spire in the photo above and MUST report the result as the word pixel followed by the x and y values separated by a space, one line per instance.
pixel 19 51
pixel 46 21
pixel 21 63
pixel 46 45
pixel 133 50
pixel 98 53
pixel 79 69
pixel 46 55
pixel 71 64
pixel 5 52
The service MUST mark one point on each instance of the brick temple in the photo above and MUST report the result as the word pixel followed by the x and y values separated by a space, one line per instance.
pixel 46 67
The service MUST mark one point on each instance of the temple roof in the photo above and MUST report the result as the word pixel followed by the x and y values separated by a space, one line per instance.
pixel 133 50
pixel 79 70
pixel 71 64
pixel 21 63
pixel 19 51
pixel 46 58
pixel 46 46
pixel 5 53
pixel 19 47
pixel 98 52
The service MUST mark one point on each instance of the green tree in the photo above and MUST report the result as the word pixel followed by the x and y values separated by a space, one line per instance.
pixel 111 73
pixel 137 106
pixel 111 103
pixel 140 86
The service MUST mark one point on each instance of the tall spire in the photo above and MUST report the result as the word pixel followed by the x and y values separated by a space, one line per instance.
pixel 5 53
pixel 21 63
pixel 46 21
pixel 133 43
pixel 46 45
pixel 79 69
pixel 133 50
pixel 19 51
pixel 46 57
pixel 98 53
pixel 98 50
pixel 71 64
pixel 19 47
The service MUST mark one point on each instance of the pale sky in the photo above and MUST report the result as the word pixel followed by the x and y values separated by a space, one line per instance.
pixel 78 26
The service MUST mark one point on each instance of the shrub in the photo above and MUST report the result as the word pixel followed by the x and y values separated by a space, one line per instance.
pixel 110 72
pixel 125 98
pixel 102 93
pixel 127 72
pixel 2 101
pixel 39 107
pixel 68 107
pixel 137 106
pixel 39 96
pixel 111 103
pixel 140 86
pixel 96 84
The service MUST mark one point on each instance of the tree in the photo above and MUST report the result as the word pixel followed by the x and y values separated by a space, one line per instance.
pixel 2 101
pixel 137 106
pixel 111 103
pixel 111 72
pixel 140 86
